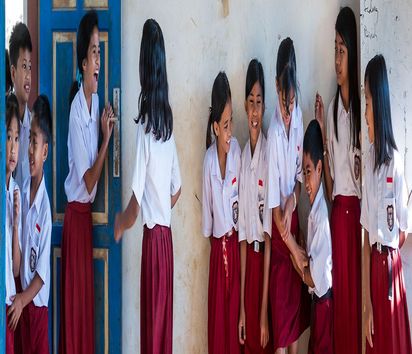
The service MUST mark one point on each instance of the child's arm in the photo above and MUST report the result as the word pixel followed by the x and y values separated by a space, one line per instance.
pixel 92 175
pixel 243 260
pixel 16 233
pixel 264 322
pixel 297 252
pixel 369 327
pixel 21 300
pixel 174 198
pixel 291 204
pixel 125 220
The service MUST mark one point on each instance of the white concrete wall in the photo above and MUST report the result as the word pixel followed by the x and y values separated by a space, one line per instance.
pixel 200 42
pixel 386 29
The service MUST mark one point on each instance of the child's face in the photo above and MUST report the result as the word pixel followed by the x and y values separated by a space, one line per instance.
pixel 286 117
pixel 313 175
pixel 38 149
pixel 223 129
pixel 369 113
pixel 91 65
pixel 12 145
pixel 254 108
pixel 21 76
pixel 341 60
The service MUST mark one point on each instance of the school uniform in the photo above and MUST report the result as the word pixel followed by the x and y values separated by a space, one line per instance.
pixel 252 211
pixel 384 215
pixel 22 171
pixel 77 303
pixel 10 284
pixel 345 169
pixel 288 298
pixel 156 178
pixel 36 243
pixel 319 250
pixel 220 218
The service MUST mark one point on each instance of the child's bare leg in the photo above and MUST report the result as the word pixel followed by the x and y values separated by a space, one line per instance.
pixel 293 348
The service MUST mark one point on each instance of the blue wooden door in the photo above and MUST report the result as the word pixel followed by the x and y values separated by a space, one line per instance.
pixel 58 22
pixel 2 189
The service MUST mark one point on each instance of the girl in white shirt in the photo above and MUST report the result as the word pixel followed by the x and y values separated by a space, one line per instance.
pixel 342 170
pixel 156 187
pixel 385 219
pixel 220 216
pixel 85 166
pixel 254 242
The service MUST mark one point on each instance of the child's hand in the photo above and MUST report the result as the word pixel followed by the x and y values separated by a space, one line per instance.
pixel 320 113
pixel 301 260
pixel 369 328
pixel 15 311
pixel 287 214
pixel 107 122
pixel 118 232
pixel 264 330
pixel 16 209
pixel 242 327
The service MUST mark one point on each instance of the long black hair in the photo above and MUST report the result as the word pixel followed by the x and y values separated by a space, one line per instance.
pixel 376 77
pixel 154 95
pixel 286 70
pixel 346 27
pixel 84 33
pixel 255 74
pixel 12 110
pixel 42 115
pixel 220 96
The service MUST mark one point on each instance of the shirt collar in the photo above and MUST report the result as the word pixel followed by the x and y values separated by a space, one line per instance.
pixel 88 116
pixel 254 160
pixel 26 118
pixel 39 195
pixel 293 122
pixel 316 203
pixel 229 161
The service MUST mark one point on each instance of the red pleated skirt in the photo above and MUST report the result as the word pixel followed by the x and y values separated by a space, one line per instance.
pixel 156 291
pixel 288 296
pixel 18 345
pixel 9 336
pixel 346 274
pixel 321 328
pixel 35 329
pixel 77 281
pixel 224 295
pixel 390 317
pixel 253 301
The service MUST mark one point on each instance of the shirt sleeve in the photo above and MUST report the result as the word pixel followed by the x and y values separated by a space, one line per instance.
pixel 77 145
pixel 401 195
pixel 242 204
pixel 330 131
pixel 43 261
pixel 176 181
pixel 299 175
pixel 139 173
pixel 321 258
pixel 273 180
pixel 207 207
pixel 364 218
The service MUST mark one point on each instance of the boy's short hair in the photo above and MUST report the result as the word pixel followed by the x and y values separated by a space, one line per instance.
pixel 313 143
pixel 42 113
pixel 19 39
pixel 12 110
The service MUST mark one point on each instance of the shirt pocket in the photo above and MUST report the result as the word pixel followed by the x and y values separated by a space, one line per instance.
pixel 261 200
pixel 356 164
pixel 234 207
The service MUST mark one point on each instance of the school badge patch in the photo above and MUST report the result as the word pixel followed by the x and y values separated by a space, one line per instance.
pixel 261 212
pixel 235 211
pixel 356 167
pixel 33 259
pixel 389 217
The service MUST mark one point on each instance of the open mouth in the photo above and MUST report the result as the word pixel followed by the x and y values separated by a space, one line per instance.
pixel 254 124
pixel 96 76
pixel 27 88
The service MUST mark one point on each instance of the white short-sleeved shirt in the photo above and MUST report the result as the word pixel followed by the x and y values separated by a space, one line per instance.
pixel 10 285
pixel 319 245
pixel 252 190
pixel 384 201
pixel 156 177
pixel 343 157
pixel 36 241
pixel 220 207
pixel 284 158
pixel 82 143
pixel 22 168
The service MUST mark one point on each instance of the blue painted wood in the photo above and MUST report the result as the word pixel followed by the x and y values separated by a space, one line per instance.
pixel 2 185
pixel 67 21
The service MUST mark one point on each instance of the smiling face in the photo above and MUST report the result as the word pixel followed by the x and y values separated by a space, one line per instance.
pixel 369 113
pixel 91 64
pixel 223 129
pixel 283 104
pixel 12 145
pixel 38 149
pixel 21 76
pixel 255 107
pixel 313 176
pixel 341 60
